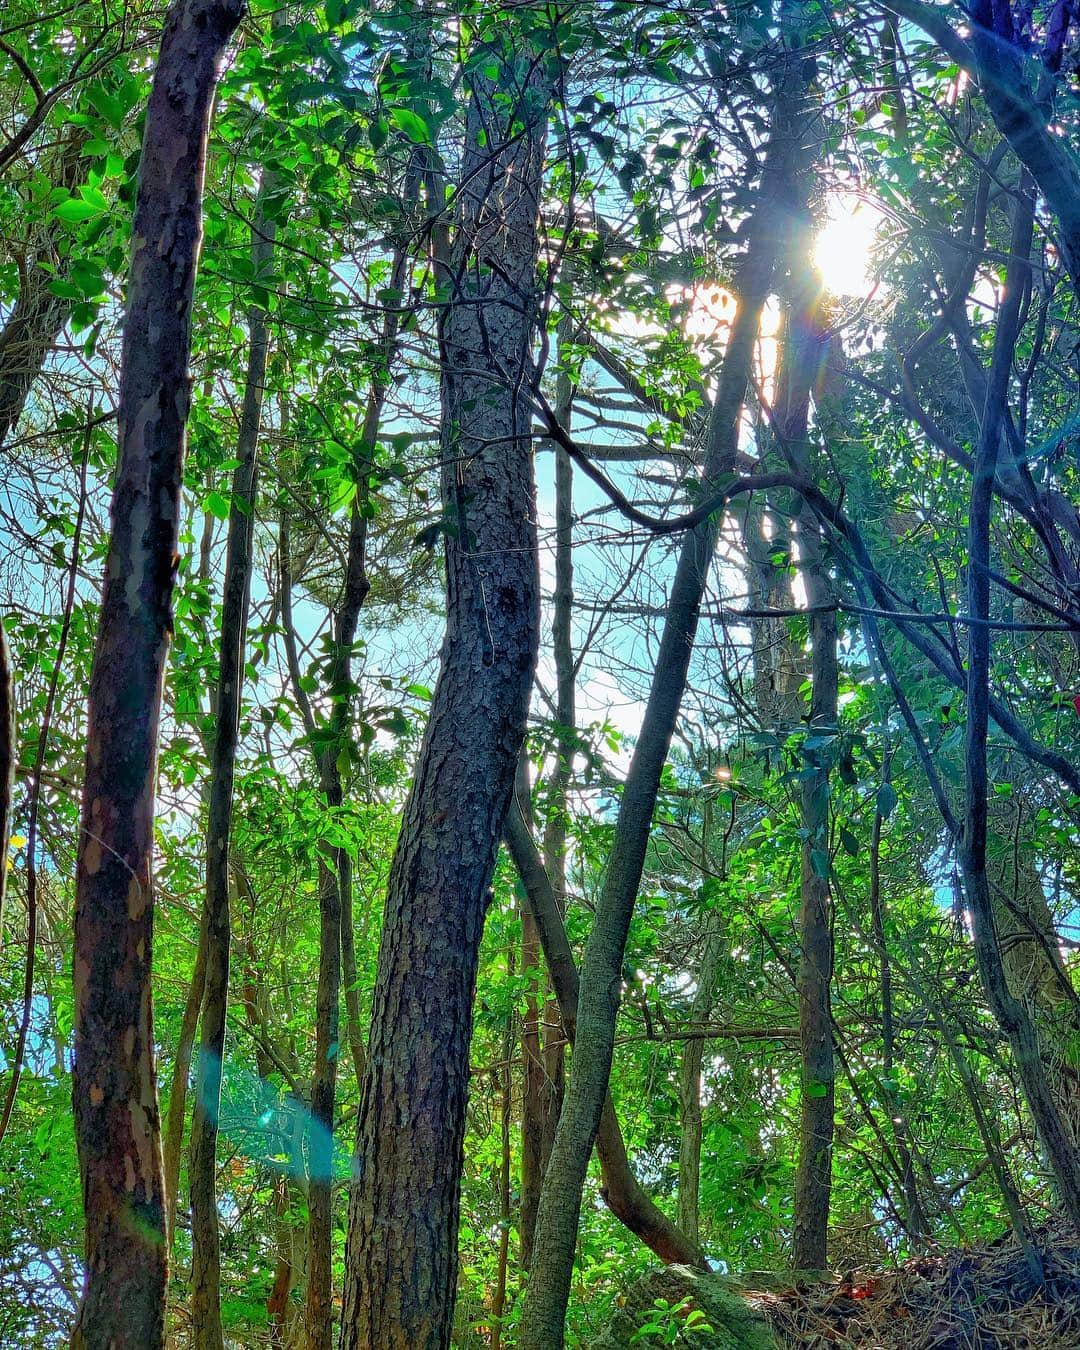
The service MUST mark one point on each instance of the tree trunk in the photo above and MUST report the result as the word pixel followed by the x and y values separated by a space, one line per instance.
pixel 543 1037
pixel 206 1252
pixel 401 1257
pixel 1013 1016
pixel 174 1124
pixel 560 1203
pixel 622 1192
pixel 801 363
pixel 1030 950
pixel 117 1125
pixel 690 1123
pixel 38 315
pixel 9 751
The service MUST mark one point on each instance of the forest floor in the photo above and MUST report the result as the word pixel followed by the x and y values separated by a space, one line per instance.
pixel 958 1299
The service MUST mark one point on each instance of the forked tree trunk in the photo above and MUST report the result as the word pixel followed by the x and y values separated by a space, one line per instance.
pixel 401 1256
pixel 117 1124
pixel 206 1246
pixel 601 974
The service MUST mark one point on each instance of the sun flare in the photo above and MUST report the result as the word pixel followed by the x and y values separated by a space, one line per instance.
pixel 845 241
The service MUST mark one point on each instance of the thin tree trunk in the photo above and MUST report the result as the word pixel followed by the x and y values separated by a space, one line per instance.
pixel 39 314
pixel 1012 1015
pixel 8 754
pixel 174 1124
pixel 915 1219
pixel 543 1038
pixel 206 1252
pixel 622 1192
pixel 690 1122
pixel 117 1123
pixel 401 1256
pixel 560 1202
pixel 502 1260
pixel 802 359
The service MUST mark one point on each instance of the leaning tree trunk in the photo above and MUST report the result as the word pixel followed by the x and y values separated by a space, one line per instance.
pixel 117 1125
pixel 601 974
pixel 401 1257
pixel 1013 1016
pixel 206 1329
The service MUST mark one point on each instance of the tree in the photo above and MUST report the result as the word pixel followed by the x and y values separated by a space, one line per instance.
pixel 401 1257
pixel 116 1110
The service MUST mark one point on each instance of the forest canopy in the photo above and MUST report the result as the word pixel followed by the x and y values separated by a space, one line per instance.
pixel 539 668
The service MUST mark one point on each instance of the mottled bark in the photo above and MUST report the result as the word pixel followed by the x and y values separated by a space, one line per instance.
pixel 117 1123
pixel 401 1258
pixel 206 1329
pixel 560 1203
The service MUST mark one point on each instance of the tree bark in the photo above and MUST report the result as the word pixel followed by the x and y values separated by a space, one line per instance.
pixel 38 315
pixel 401 1256
pixel 206 1329
pixel 800 368
pixel 8 755
pixel 622 1192
pixel 117 1124
pixel 174 1122
pixel 690 1121
pixel 560 1203
pixel 1012 1015
pixel 543 1037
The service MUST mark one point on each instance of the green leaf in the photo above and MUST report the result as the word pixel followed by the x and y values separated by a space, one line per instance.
pixel 886 800
pixel 218 505
pixel 74 211
pixel 412 125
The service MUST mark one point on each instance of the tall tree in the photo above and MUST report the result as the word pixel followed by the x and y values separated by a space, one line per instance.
pixel 239 557
pixel 543 1325
pixel 401 1256
pixel 115 1089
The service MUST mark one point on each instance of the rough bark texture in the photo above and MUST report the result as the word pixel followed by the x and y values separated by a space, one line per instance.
pixel 117 1122
pixel 560 1203
pixel 401 1260
pixel 206 1329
